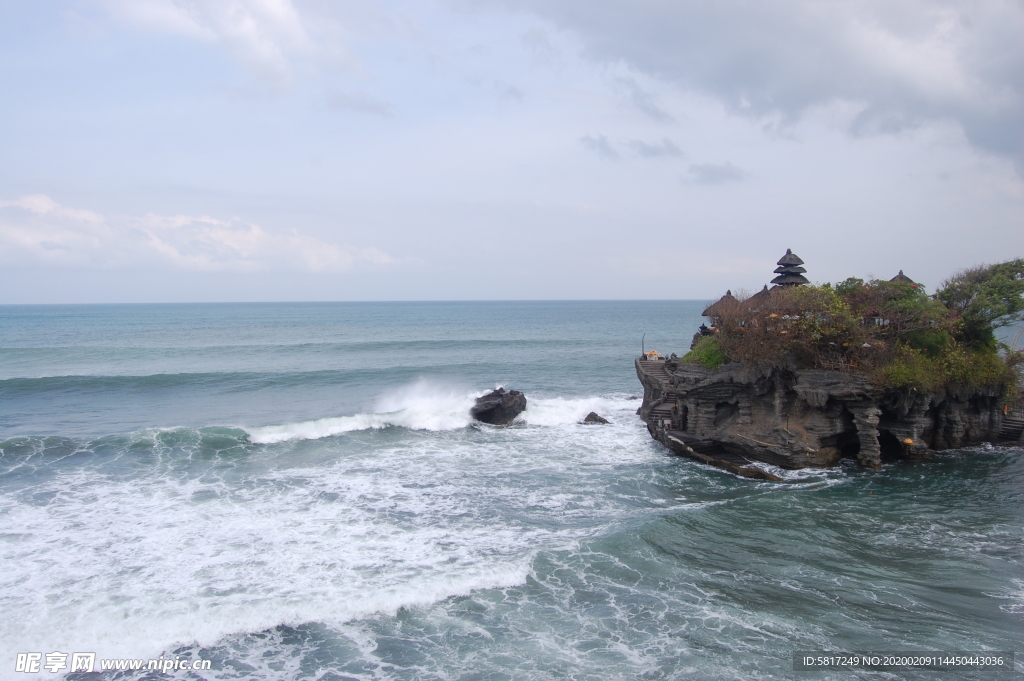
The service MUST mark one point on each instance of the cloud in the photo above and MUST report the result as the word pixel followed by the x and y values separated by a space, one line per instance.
pixel 665 147
pixel 37 228
pixel 375 256
pixel 643 100
pixel 537 40
pixel 901 63
pixel 508 92
pixel 715 173
pixel 41 204
pixel 359 103
pixel 261 35
pixel 600 145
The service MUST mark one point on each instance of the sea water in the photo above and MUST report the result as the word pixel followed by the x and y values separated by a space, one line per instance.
pixel 296 491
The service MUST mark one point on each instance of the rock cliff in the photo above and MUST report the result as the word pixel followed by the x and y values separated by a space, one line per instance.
pixel 737 416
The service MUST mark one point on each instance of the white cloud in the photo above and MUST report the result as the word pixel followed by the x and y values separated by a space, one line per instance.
pixel 261 35
pixel 41 204
pixel 37 228
pixel 375 256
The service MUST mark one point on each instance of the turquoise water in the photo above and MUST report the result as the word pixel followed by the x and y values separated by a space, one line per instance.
pixel 295 491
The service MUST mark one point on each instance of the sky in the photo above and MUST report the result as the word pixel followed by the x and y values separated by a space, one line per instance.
pixel 286 150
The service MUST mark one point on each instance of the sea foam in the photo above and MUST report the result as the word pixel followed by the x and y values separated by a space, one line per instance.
pixel 428 406
pixel 167 541
pixel 421 406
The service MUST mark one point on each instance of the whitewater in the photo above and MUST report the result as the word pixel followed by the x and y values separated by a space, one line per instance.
pixel 296 491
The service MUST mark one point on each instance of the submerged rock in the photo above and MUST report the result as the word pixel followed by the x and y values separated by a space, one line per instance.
pixel 499 407
pixel 592 417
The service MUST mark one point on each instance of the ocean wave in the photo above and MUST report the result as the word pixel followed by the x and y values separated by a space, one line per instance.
pixel 426 406
pixel 422 406
pixel 222 380
pixel 560 411
pixel 98 363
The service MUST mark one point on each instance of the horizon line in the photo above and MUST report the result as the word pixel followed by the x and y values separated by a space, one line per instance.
pixel 362 302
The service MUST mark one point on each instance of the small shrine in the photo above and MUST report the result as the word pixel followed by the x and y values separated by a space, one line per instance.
pixel 903 279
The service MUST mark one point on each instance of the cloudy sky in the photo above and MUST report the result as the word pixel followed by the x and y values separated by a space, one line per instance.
pixel 217 150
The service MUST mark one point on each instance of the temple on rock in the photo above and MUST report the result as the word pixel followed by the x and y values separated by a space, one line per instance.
pixel 791 383
pixel 790 273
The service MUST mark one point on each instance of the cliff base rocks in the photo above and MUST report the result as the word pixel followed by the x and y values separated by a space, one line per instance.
pixel 736 416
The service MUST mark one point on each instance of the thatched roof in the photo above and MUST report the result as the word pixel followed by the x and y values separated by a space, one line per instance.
pixel 790 258
pixel 722 305
pixel 759 298
pixel 904 279
pixel 790 279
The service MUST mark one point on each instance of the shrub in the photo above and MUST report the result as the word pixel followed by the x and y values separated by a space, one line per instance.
pixel 708 352
pixel 932 342
pixel 972 367
pixel 958 366
pixel 910 369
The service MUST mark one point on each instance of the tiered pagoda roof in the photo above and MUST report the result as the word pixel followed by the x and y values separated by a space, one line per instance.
pixel 789 271
pixel 790 274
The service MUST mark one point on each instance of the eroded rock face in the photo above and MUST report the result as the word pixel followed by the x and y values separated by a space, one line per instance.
pixel 809 418
pixel 499 407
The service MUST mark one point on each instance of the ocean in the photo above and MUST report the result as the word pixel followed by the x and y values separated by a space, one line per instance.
pixel 296 491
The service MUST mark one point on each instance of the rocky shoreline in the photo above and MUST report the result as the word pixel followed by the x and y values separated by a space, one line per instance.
pixel 735 417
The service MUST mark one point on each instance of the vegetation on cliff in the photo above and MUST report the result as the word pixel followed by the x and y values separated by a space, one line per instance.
pixel 890 330
pixel 707 352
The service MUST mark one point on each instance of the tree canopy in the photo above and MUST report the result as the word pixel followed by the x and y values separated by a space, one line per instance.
pixel 984 298
pixel 891 330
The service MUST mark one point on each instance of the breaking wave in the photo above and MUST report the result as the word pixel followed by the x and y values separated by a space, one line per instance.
pixel 422 406
pixel 427 406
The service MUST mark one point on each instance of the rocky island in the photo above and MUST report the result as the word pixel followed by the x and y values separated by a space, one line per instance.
pixel 802 376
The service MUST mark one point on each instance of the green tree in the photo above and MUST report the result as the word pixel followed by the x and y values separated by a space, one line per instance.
pixel 985 298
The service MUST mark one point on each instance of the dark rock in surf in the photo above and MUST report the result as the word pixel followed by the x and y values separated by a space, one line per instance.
pixel 592 417
pixel 499 407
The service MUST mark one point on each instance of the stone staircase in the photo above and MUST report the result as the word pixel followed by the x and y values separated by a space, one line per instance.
pixel 1012 429
pixel 663 412
pixel 655 368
